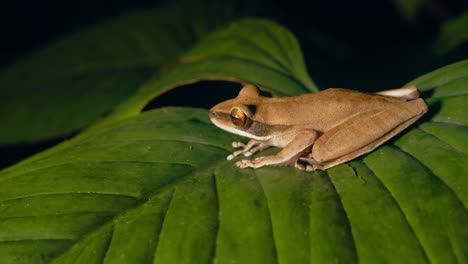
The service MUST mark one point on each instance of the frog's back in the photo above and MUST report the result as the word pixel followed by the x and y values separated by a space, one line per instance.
pixel 341 96
pixel 325 109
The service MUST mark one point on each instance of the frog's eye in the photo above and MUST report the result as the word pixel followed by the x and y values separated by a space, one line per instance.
pixel 238 117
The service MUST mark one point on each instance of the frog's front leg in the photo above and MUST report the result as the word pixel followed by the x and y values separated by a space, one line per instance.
pixel 300 144
pixel 248 149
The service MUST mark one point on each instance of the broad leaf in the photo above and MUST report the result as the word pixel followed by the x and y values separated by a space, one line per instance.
pixel 230 55
pixel 275 62
pixel 453 34
pixel 156 187
pixel 82 76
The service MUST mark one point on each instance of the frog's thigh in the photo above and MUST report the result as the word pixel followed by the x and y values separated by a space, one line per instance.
pixel 365 132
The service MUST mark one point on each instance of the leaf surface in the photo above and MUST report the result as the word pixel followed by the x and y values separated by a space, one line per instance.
pixel 82 76
pixel 156 187
pixel 452 34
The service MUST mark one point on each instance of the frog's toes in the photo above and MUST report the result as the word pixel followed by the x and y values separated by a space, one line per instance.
pixel 311 167
pixel 239 164
pixel 299 166
pixel 237 144
pixel 244 163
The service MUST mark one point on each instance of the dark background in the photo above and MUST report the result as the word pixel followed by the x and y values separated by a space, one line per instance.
pixel 364 25
pixel 354 44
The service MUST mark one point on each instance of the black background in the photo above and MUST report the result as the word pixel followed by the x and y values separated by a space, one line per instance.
pixel 29 25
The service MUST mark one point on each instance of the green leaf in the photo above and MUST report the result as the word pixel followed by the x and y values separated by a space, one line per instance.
pixel 274 63
pixel 82 76
pixel 156 187
pixel 229 55
pixel 453 34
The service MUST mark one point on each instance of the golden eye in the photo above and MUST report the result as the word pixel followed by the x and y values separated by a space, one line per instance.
pixel 238 118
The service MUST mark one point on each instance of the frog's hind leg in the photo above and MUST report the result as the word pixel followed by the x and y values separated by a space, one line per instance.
pixel 362 134
pixel 314 165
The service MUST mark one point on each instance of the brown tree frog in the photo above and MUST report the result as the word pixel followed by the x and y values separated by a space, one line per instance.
pixel 316 130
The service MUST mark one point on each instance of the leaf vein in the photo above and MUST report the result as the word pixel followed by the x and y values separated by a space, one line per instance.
pixel 69 193
pixel 433 174
pixel 430 172
pixel 275 247
pixel 454 124
pixel 218 223
pixel 259 65
pixel 440 140
pixel 345 215
pixel 260 49
pixel 94 146
pixel 401 210
pixel 108 242
pixel 120 214
pixel 274 38
pixel 161 228
pixel 93 161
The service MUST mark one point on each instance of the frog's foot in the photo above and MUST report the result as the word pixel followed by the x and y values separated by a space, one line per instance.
pixel 238 144
pixel 245 163
pixel 299 165
pixel 308 164
pixel 235 154
pixel 275 160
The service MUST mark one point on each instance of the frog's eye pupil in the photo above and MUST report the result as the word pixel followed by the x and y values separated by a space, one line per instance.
pixel 238 117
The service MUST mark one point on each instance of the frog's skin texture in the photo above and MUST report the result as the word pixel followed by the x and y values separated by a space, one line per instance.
pixel 318 130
